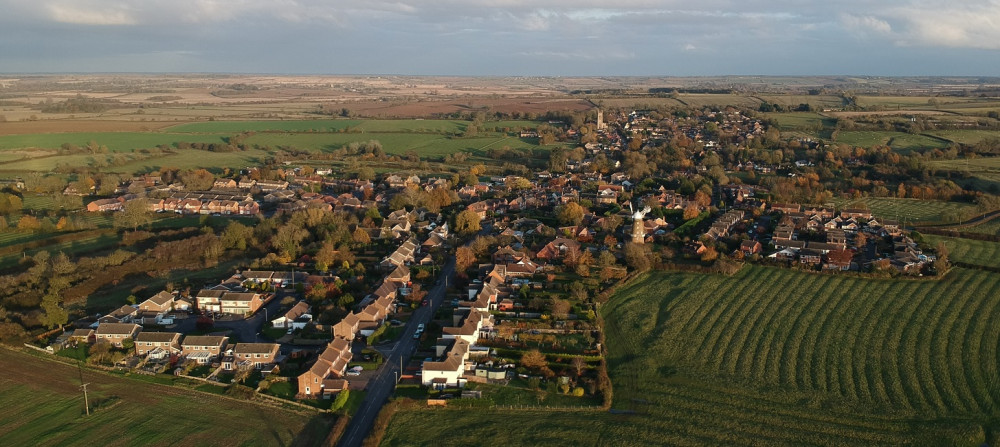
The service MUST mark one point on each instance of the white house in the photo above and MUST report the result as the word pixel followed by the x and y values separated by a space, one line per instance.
pixel 296 318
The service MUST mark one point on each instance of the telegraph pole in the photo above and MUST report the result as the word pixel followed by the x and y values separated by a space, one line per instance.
pixel 83 386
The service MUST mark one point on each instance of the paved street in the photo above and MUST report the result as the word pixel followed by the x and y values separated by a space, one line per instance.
pixel 381 386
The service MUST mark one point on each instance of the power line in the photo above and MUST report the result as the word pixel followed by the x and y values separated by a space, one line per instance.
pixel 83 386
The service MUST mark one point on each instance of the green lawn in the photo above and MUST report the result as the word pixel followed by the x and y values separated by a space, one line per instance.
pixel 773 357
pixel 47 410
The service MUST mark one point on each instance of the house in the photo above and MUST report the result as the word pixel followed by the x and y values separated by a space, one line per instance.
pixel 448 372
pixel 164 343
pixel 122 314
pixel 106 205
pixel 203 348
pixel 223 301
pixel 116 333
pixel 162 302
pixel 559 248
pixel 251 355
pixel 839 260
pixel 348 327
pixel 325 377
pixel 296 318
pixel 83 336
pixel 750 248
pixel 225 183
pixel 404 254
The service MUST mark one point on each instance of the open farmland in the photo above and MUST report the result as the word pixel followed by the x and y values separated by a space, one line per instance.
pixel 115 141
pixel 969 251
pixel 900 141
pixel 47 409
pixel 911 211
pixel 774 357
pixel 424 144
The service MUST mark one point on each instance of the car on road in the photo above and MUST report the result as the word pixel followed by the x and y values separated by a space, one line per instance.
pixel 420 327
pixel 424 302
pixel 353 373
pixel 416 335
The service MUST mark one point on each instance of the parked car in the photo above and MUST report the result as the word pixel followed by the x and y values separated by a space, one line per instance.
pixel 416 336
pixel 420 327
pixel 424 302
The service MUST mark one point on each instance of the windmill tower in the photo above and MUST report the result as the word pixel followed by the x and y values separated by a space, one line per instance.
pixel 638 229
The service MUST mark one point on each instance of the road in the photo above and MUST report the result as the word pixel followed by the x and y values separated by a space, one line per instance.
pixel 381 386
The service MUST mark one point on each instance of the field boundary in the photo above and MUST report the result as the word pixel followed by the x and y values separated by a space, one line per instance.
pixel 109 372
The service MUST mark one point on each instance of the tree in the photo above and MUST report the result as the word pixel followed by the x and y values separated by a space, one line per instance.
pixel 197 180
pixel 560 308
pixel 578 366
pixel 691 211
pixel 133 215
pixel 533 359
pixel 54 315
pixel 638 256
pixel 464 258
pixel 570 213
pixel 28 222
pixel 467 222
pixel 360 236
pixel 236 235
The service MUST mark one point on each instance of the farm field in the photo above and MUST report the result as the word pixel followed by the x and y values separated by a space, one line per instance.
pixel 47 410
pixel 988 227
pixel 115 141
pixel 816 101
pixel 900 141
pixel 425 145
pixel 702 359
pixel 970 251
pixel 911 210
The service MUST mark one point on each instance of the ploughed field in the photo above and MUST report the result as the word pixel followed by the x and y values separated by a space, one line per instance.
pixel 41 405
pixel 778 357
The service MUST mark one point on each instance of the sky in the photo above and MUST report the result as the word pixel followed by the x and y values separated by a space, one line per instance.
pixel 504 37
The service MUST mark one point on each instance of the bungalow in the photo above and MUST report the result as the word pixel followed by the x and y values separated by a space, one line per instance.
pixel 115 204
pixel 82 335
pixel 203 348
pixel 164 343
pixel 116 333
pixel 296 318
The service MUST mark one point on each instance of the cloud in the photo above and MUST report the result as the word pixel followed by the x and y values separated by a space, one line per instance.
pixel 83 14
pixel 962 25
pixel 866 24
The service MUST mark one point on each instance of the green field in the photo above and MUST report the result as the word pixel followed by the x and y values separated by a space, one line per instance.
pixel 807 121
pixel 970 251
pixel 900 141
pixel 774 357
pixel 47 410
pixel 988 227
pixel 911 211
pixel 816 101
pixel 425 145
pixel 115 141
pixel 232 127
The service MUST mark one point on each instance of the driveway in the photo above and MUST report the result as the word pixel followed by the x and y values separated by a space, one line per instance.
pixel 381 385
